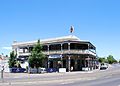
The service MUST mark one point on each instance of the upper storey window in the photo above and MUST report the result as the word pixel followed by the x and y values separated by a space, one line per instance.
pixel 55 47
pixel 65 46
pixel 44 47
pixel 78 46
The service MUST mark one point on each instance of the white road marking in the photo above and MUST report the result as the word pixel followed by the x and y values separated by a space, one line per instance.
pixel 67 82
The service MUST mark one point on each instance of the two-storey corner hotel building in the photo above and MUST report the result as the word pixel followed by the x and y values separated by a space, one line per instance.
pixel 63 52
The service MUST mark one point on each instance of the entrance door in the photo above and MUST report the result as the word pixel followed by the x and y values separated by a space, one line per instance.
pixel 64 63
pixel 79 65
pixel 51 64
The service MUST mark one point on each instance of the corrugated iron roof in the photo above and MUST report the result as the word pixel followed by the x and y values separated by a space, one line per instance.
pixel 51 40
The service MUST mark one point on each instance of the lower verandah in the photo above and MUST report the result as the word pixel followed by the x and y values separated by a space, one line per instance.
pixel 77 62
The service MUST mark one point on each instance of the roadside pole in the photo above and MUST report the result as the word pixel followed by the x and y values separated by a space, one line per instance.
pixel 2 70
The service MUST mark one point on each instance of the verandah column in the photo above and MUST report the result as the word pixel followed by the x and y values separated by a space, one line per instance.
pixel 61 55
pixel 95 59
pixel 88 62
pixel 88 57
pixel 17 51
pixel 48 57
pixel 95 64
pixel 69 59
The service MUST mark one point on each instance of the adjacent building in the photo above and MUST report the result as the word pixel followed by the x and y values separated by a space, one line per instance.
pixel 63 52
pixel 4 63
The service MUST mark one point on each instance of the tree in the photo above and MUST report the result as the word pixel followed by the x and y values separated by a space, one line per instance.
pixel 36 58
pixel 111 59
pixel 12 59
pixel 102 60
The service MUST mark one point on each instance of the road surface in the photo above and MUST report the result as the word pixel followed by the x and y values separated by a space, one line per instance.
pixel 109 77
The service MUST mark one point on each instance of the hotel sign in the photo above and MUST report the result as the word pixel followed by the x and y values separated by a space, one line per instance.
pixel 55 56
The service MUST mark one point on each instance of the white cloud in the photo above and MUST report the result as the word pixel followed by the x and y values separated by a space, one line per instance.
pixel 7 48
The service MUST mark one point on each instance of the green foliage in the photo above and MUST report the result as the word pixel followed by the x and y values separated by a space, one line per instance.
pixel 36 58
pixel 111 59
pixel 102 60
pixel 12 59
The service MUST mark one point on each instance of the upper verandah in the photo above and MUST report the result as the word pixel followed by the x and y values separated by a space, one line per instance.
pixel 51 41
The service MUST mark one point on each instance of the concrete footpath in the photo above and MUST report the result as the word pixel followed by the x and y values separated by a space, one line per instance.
pixel 26 75
pixel 45 77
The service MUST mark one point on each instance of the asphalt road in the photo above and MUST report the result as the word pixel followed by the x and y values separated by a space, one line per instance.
pixel 103 81
pixel 112 81
pixel 109 77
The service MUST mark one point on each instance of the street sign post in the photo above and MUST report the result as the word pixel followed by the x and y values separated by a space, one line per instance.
pixel 1 74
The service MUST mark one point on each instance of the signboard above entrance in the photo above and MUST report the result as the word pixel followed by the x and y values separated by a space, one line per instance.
pixel 55 56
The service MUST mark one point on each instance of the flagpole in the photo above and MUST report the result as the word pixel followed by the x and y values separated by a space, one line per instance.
pixel 69 56
pixel 71 30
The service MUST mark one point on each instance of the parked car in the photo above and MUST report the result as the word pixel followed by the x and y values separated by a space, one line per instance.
pixel 103 66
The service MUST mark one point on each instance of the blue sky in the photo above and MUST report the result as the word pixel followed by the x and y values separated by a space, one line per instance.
pixel 95 20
